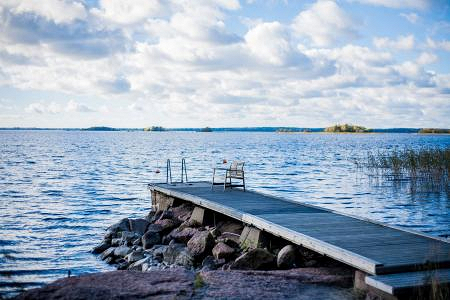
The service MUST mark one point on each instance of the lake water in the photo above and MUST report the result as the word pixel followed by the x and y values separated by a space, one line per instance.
pixel 59 190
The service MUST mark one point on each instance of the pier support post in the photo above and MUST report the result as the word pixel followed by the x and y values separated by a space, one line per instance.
pixel 252 238
pixel 202 216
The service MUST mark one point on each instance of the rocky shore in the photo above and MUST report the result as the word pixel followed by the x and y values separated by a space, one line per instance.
pixel 186 236
pixel 187 252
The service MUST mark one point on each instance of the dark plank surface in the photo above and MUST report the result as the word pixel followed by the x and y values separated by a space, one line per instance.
pixel 390 247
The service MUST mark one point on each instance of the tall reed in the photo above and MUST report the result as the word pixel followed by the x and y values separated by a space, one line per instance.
pixel 429 164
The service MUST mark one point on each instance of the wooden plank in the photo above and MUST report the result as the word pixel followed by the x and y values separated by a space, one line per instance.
pixel 399 283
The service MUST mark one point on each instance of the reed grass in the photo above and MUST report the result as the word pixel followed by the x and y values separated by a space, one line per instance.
pixel 424 164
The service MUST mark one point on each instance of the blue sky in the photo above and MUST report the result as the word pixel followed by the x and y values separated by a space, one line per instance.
pixel 181 63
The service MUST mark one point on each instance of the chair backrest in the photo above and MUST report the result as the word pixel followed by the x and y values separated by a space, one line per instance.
pixel 237 168
pixel 237 165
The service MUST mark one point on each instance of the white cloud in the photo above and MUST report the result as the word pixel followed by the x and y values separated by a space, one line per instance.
pixel 426 58
pixel 54 10
pixel 401 43
pixel 324 23
pixel 417 4
pixel 269 42
pixel 73 106
pixel 127 12
pixel 441 45
pixel 55 108
pixel 411 17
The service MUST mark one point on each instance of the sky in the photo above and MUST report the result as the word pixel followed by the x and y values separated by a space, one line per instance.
pixel 224 63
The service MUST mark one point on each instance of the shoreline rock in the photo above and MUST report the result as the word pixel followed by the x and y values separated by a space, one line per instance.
pixel 183 284
pixel 188 236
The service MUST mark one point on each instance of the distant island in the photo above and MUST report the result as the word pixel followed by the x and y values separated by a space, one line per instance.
pixel 206 129
pixel 99 128
pixel 347 128
pixel 435 130
pixel 155 128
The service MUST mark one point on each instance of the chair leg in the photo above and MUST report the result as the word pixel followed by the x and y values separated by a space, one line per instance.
pixel 225 183
pixel 214 173
pixel 243 182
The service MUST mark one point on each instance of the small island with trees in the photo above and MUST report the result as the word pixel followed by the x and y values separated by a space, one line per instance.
pixel 99 128
pixel 155 128
pixel 434 131
pixel 346 128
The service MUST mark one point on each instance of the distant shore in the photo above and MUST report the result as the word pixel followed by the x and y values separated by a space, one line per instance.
pixel 234 129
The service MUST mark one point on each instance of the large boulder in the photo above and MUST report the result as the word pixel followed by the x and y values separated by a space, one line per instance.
pixel 222 250
pixel 167 225
pixel 107 253
pixel 117 228
pixel 166 214
pixel 201 244
pixel 183 235
pixel 128 237
pixel 137 265
pixel 138 226
pixel 287 257
pixel 157 252
pixel 172 251
pixel 185 259
pixel 150 238
pixel 183 212
pixel 101 247
pixel 135 256
pixel 255 259
pixel 155 228
pixel 230 226
pixel 229 238
pixel 122 251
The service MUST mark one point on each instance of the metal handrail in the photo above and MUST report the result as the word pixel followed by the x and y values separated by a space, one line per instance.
pixel 168 172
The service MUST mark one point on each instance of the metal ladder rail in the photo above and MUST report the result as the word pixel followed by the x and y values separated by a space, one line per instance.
pixel 168 172
pixel 183 170
pixel 184 177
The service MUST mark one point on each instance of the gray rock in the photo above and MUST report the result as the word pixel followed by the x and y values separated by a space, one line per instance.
pixel 201 244
pixel 287 256
pixel 158 252
pixel 185 259
pixel 135 256
pixel 137 266
pixel 222 250
pixel 255 259
pixel 150 238
pixel 183 212
pixel 128 237
pixel 109 260
pixel 172 251
pixel 229 238
pixel 122 264
pixel 137 242
pixel 115 229
pixel 122 251
pixel 184 235
pixel 101 247
pixel 166 214
pixel 138 226
pixel 107 253
pixel 155 228
pixel 230 226
pixel 167 225
pixel 116 242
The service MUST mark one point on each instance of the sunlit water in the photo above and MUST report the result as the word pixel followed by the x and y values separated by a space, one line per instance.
pixel 59 190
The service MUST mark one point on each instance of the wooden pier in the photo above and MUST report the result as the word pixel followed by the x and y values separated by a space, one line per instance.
pixel 374 248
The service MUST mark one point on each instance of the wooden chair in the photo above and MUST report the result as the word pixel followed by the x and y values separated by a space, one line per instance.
pixel 235 171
